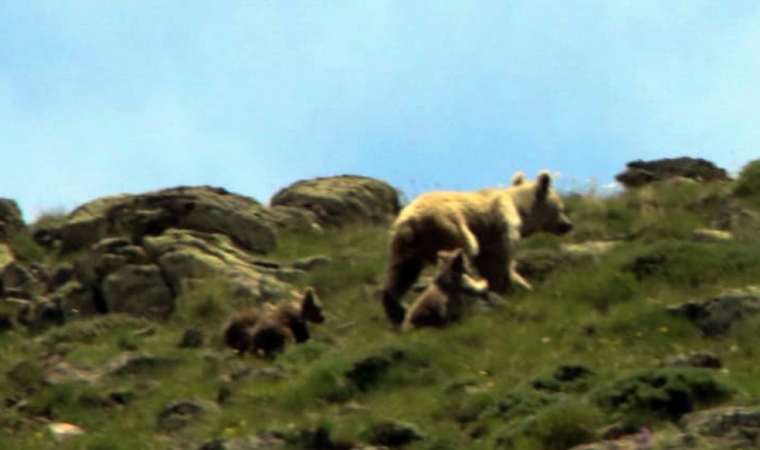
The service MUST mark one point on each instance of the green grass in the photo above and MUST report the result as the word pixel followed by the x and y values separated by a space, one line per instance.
pixel 471 385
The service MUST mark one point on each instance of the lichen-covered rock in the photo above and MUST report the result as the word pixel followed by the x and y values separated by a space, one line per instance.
pixel 181 413
pixel 190 255
pixel 711 236
pixel 201 208
pixel 11 221
pixel 294 219
pixel 138 290
pixel 342 200
pixel 78 299
pixel 717 315
pixel 728 427
pixel 536 265
pixel 15 276
pixel 707 360
pixel 639 173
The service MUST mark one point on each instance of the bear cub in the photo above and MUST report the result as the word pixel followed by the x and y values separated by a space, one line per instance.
pixel 268 331
pixel 442 302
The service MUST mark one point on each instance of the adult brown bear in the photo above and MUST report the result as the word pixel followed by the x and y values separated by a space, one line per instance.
pixel 487 224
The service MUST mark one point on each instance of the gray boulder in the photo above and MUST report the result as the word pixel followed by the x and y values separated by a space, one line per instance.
pixel 342 200
pixel 640 173
pixel 185 256
pixel 717 315
pixel 201 208
pixel 138 290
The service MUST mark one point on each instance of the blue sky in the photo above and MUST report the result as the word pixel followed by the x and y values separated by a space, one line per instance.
pixel 99 98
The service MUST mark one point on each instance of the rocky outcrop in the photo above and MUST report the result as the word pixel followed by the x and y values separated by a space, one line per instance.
pixel 203 208
pixel 717 315
pixel 191 255
pixel 734 427
pixel 341 200
pixel 640 173
pixel 294 219
pixel 11 221
pixel 139 290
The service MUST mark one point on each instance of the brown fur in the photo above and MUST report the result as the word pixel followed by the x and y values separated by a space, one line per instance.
pixel 487 224
pixel 268 331
pixel 442 302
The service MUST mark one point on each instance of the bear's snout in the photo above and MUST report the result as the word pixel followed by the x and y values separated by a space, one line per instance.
pixel 565 227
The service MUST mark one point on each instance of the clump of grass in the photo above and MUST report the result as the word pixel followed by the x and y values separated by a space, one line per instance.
pixel 324 381
pixel 92 329
pixel 662 393
pixel 367 240
pixel 556 427
pixel 128 341
pixel 594 218
pixel 691 265
pixel 26 250
pixel 343 273
pixel 26 375
pixel 207 303
pixel 600 287
pixel 673 209
pixel 50 218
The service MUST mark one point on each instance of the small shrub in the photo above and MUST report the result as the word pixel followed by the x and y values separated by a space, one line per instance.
pixel 662 393
pixel 565 378
pixel 50 218
pixel 343 273
pixel 26 249
pixel 51 400
pixel 565 425
pixel 90 330
pixel 207 302
pixel 594 218
pixel 463 407
pixel 103 443
pixel 748 183
pixel 128 341
pixel 321 382
pixel 556 427
pixel 522 402
pixel 27 375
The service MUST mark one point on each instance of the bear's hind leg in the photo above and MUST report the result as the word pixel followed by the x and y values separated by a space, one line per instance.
pixel 400 277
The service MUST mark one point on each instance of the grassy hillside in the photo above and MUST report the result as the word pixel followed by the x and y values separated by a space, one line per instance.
pixel 488 382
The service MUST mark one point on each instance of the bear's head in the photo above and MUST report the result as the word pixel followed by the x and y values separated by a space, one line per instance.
pixel 453 273
pixel 539 205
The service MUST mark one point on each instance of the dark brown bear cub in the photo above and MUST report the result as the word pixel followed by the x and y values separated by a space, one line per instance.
pixel 269 331
pixel 442 302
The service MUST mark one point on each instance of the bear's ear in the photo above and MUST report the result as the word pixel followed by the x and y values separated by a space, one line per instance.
pixel 309 299
pixel 311 308
pixel 543 184
pixel 457 261
pixel 518 179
